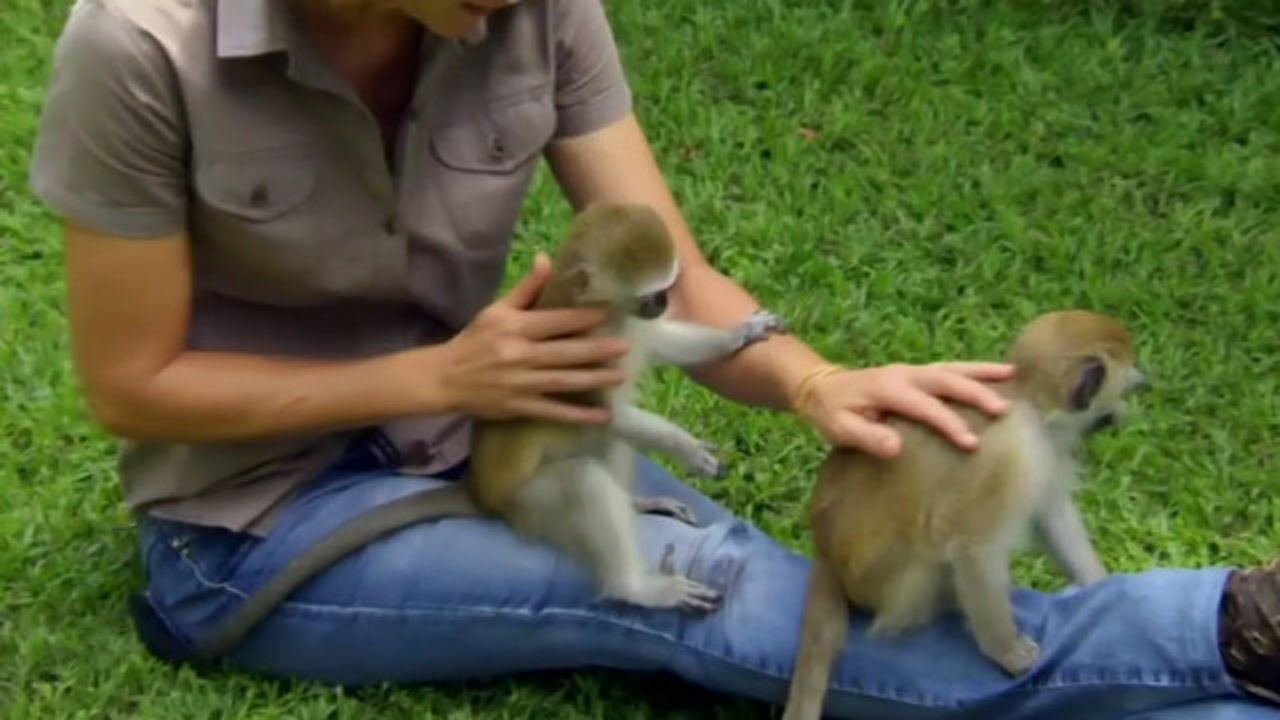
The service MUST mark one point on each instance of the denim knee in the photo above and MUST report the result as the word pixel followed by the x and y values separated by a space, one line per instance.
pixel 763 585
pixel 188 569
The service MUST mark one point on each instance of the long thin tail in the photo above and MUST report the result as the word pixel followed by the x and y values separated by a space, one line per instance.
pixel 824 629
pixel 434 504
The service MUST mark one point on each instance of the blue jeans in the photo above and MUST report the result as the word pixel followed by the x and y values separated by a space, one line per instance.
pixel 466 599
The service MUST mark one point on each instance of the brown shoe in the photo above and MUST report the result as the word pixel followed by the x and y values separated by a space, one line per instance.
pixel 1249 630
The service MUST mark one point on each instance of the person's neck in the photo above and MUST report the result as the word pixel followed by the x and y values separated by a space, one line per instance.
pixel 362 44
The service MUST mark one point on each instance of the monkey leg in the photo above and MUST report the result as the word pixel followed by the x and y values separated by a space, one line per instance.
pixel 823 632
pixel 909 598
pixel 982 589
pixel 647 431
pixel 580 508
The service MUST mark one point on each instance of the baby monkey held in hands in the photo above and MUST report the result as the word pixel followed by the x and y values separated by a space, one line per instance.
pixel 935 525
pixel 565 484
pixel 571 486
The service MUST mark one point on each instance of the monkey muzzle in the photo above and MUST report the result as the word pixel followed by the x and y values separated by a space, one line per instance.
pixel 652 306
pixel 1102 422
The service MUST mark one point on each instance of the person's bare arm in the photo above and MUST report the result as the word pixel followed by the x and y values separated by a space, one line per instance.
pixel 616 164
pixel 129 303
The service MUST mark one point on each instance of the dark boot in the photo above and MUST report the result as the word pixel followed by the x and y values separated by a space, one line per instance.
pixel 1249 630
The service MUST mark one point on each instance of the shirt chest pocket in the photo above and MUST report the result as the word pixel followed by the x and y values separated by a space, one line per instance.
pixel 269 230
pixel 481 163
pixel 501 137
pixel 258 187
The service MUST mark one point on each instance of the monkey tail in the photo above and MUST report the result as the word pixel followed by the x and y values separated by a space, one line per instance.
pixel 434 504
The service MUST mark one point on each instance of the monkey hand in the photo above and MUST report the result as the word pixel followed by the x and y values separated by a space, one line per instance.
pixel 705 463
pixel 757 327
pixel 848 406
pixel 703 460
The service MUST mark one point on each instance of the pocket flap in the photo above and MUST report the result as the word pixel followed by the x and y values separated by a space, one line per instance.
pixel 499 141
pixel 260 187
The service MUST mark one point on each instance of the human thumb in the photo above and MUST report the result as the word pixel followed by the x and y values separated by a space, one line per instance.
pixel 525 292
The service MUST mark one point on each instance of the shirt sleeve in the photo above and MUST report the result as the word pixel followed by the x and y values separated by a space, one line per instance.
pixel 110 148
pixel 591 88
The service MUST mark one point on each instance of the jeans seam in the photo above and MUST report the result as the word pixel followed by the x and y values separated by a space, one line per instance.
pixel 204 581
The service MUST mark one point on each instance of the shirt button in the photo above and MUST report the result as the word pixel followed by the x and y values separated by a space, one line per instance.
pixel 258 196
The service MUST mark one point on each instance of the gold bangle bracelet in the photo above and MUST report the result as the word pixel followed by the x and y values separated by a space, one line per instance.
pixel 805 387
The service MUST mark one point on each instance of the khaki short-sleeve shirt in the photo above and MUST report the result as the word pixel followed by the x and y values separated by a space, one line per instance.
pixel 218 117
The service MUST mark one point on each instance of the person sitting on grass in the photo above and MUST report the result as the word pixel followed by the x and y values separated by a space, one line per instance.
pixel 285 226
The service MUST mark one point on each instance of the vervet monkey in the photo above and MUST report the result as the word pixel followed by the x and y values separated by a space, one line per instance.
pixel 937 525
pixel 567 485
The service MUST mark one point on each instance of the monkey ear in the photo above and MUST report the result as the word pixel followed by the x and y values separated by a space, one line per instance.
pixel 578 279
pixel 1093 372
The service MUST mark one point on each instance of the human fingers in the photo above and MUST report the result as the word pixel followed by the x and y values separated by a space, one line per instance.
pixel 851 430
pixel 558 411
pixel 554 381
pixel 978 370
pixel 576 351
pixel 526 290
pixel 944 382
pixel 559 322
pixel 910 401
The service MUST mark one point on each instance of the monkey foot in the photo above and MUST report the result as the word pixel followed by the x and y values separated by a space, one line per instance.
pixel 696 596
pixel 1018 657
pixel 668 591
pixel 665 506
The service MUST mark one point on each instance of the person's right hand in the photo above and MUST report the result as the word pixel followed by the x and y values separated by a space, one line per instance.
pixel 507 360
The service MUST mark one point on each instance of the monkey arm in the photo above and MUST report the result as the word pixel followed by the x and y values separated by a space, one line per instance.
pixel 982 589
pixel 1066 539
pixel 687 344
pixel 650 432
pixel 684 344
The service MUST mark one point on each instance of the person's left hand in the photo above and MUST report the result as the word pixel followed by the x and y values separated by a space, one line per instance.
pixel 847 406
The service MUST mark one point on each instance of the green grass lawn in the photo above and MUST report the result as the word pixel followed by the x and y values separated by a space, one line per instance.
pixel 904 180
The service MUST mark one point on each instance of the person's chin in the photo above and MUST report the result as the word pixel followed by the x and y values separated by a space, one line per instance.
pixel 466 27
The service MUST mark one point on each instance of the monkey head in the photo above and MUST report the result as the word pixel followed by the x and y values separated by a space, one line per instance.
pixel 1077 367
pixel 621 256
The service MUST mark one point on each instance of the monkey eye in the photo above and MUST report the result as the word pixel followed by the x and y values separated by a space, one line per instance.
pixel 652 306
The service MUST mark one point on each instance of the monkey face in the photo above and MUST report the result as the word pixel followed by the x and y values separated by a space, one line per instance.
pixel 620 256
pixel 1101 389
pixel 1079 366
pixel 651 306
pixel 650 299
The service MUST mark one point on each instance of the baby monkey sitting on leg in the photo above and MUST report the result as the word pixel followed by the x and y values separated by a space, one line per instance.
pixel 935 524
